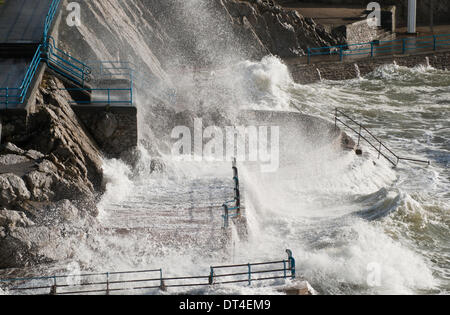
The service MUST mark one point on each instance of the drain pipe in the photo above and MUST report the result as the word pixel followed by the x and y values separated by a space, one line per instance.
pixel 412 16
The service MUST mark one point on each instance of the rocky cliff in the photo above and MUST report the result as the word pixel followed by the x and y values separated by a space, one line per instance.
pixel 48 177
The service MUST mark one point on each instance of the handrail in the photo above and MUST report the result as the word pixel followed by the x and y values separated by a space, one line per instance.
pixel 108 282
pixel 237 199
pixel 379 148
pixel 49 18
pixel 374 48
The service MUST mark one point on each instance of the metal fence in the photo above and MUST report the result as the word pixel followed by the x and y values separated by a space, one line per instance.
pixel 374 142
pixel 74 70
pixel 145 281
pixel 381 48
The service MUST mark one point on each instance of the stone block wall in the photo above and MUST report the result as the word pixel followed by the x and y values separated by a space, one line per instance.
pixel 347 70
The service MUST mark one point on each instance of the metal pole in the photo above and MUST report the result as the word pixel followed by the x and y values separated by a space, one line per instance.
pixel 404 46
pixel 211 276
pixel 434 43
pixel 249 274
pixel 309 55
pixel 7 96
pixel 107 283
pixel 225 217
pixel 371 49
pixel 341 53
pixel 291 263
pixel 162 285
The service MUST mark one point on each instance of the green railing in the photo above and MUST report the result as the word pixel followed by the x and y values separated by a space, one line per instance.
pixel 381 48
pixel 129 282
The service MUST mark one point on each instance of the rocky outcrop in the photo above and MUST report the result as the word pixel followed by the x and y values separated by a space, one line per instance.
pixel 49 177
pixel 282 32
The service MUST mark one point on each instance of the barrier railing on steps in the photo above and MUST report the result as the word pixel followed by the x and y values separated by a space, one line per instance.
pixel 233 211
pixel 382 48
pixel 70 68
pixel 129 282
pixel 18 96
pixel 380 147
pixel 120 72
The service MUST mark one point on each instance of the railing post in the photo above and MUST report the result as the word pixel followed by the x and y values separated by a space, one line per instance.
pixel 107 283
pixel 359 135
pixel 225 216
pixel 309 55
pixel 341 53
pixel 109 97
pixel 7 97
pixel 237 192
pixel 211 276
pixel 404 46
pixel 371 49
pixel 249 274
pixel 291 263
pixel 284 269
pixel 54 288
pixel 434 43
pixel 162 285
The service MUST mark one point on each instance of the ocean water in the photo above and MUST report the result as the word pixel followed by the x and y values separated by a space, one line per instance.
pixel 355 224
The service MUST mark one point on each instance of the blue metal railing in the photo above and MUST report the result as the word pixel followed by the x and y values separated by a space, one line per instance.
pixel 113 70
pixel 21 92
pixel 49 18
pixel 233 211
pixel 72 69
pixel 129 281
pixel 377 48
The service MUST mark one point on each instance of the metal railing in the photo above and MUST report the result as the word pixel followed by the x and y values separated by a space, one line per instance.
pixel 108 70
pixel 20 93
pixel 380 48
pixel 128 282
pixel 380 147
pixel 50 17
pixel 72 69
pixel 66 65
pixel 233 211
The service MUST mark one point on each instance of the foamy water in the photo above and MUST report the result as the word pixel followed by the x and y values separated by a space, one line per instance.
pixel 340 214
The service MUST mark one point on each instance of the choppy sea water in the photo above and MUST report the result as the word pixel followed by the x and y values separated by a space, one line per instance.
pixel 355 224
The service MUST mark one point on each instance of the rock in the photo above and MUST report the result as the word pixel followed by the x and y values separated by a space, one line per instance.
pixel 10 148
pixel 12 219
pixel 13 190
pixel 12 159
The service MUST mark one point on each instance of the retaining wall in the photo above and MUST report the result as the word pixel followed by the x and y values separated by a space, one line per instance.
pixel 346 70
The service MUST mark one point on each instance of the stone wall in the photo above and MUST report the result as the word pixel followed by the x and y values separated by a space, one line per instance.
pixel 346 70
pixel 114 129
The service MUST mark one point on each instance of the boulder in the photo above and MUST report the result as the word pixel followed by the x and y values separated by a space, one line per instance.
pixel 12 190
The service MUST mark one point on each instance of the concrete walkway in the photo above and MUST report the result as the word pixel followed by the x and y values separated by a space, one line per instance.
pixel 21 30
pixel 22 21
